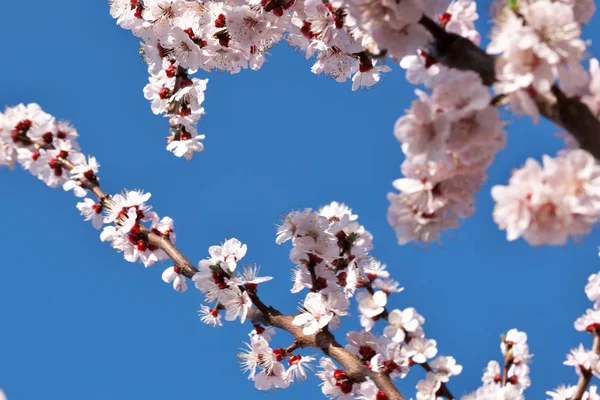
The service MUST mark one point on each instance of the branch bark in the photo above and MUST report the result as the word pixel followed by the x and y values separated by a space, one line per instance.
pixel 455 51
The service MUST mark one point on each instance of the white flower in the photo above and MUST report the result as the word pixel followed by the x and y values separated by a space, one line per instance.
pixel 375 269
pixel 132 252
pixel 228 254
pixel 210 316
pixel 186 147
pixel 367 322
pixel 257 353
pixel 402 322
pixel 562 392
pixel 583 359
pixel 266 333
pixel 335 382
pixel 364 344
pixel 427 388
pixel 335 210
pixel 237 304
pixel 277 377
pixel 445 367
pixel 294 224
pixel 173 274
pixel 315 315
pixel 590 321
pixel 86 170
pixel 516 342
pixel 421 349
pixel 126 208
pixel 249 277
pixel 91 211
pixel 368 75
pixel 491 373
pixel 371 305
pixel 298 367
pixel 592 289
pixel 387 286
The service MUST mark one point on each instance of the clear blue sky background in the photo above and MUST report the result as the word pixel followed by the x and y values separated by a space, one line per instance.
pixel 78 322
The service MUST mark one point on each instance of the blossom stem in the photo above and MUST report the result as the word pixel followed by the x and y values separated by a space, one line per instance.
pixel 585 378
pixel 313 277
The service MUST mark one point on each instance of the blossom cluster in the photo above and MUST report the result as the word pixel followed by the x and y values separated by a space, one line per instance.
pixel 510 381
pixel 127 212
pixel 548 203
pixel 49 149
pixel 345 37
pixel 422 68
pixel 585 361
pixel 40 144
pixel 332 255
pixel 266 366
pixel 537 42
pixel 225 287
pixel 449 138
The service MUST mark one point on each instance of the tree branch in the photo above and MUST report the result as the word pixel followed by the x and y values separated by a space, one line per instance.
pixel 455 51
pixel 586 376
pixel 324 340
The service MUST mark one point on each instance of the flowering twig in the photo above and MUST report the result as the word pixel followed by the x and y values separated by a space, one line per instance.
pixel 323 340
pixel 586 375
pixel 443 391
pixel 508 361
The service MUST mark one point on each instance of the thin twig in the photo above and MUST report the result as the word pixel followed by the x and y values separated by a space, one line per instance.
pixel 586 376
pixel 323 340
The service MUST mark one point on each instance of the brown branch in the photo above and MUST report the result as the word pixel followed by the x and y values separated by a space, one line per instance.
pixel 586 375
pixel 455 51
pixel 508 361
pixel 323 340
pixel 443 390
pixel 313 277
pixel 89 184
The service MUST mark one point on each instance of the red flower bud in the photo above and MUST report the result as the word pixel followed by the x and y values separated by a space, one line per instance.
pixel 295 359
pixel 220 22
pixel 444 19
pixel 346 387
pixel 340 374
pixel 381 395
pixel 47 137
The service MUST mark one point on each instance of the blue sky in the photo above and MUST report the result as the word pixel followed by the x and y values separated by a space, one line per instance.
pixel 78 322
